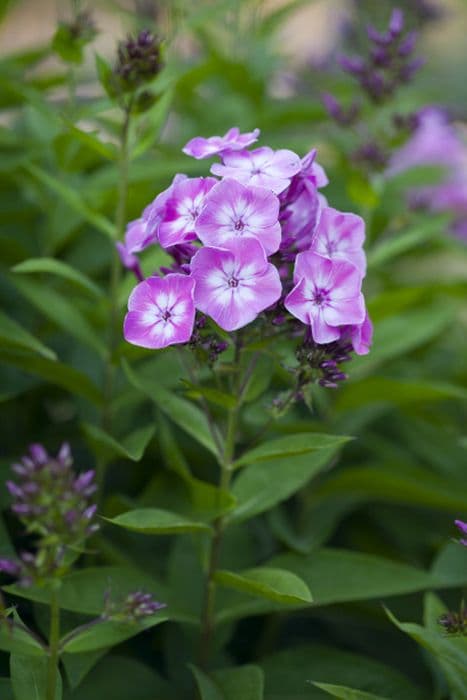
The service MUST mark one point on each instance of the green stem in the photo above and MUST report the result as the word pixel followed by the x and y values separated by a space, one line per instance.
pixel 114 283
pixel 225 463
pixel 54 640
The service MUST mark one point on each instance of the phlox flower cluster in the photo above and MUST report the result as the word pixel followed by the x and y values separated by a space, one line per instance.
pixel 255 238
pixel 54 505
pixel 436 142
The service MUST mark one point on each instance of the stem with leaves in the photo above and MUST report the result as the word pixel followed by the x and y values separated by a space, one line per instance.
pixel 114 281
pixel 226 458
pixel 54 641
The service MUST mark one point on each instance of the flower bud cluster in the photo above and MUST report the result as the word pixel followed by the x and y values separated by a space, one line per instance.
pixel 256 240
pixel 139 60
pixel 135 607
pixel 454 623
pixel 54 504
pixel 390 62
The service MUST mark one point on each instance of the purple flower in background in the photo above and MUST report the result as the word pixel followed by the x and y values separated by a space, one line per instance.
pixel 181 209
pixel 233 211
pixel 234 284
pixel 463 529
pixel 161 312
pixel 327 294
pixel 434 142
pixel 340 236
pixel 262 167
pixel 233 140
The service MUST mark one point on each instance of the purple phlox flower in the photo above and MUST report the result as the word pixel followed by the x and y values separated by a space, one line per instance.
pixel 434 142
pixel 234 211
pixel 161 312
pixel 262 167
pixel 463 529
pixel 327 294
pixel 360 335
pixel 340 236
pixel 154 212
pixel 300 217
pixel 343 116
pixel 312 171
pixel 233 140
pixel 234 284
pixel 177 223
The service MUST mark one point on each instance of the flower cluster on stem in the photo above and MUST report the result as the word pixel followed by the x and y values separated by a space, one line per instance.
pixel 258 240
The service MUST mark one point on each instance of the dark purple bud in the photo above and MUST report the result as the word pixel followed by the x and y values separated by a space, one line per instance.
pixel 88 514
pixel 64 455
pixel 71 516
pixel 352 64
pixel 30 488
pixel 28 464
pixel 409 70
pixel 14 489
pixel 407 44
pixel 327 384
pixel 20 469
pixel 28 558
pixel 38 453
pixel 9 566
pixel 380 56
pixel 21 509
pixel 83 481
pixel 378 38
pixel 396 23
pixel 328 364
pixel 331 105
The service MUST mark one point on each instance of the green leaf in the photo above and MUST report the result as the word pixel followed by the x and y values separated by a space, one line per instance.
pixel 56 373
pixel 289 446
pixel 93 142
pixel 450 566
pixel 266 582
pixel 6 691
pixel 11 333
pixel 397 392
pixel 84 591
pixel 245 682
pixel 154 521
pixel 340 691
pixel 214 396
pixel 288 674
pixel 398 335
pixel 70 196
pixel 15 639
pixel 266 483
pixel 77 666
pixel 183 413
pixel 107 448
pixel 122 678
pixel 334 576
pixel 395 484
pixel 153 119
pixel 29 678
pixel 108 633
pixel 406 240
pixel 62 312
pixel 450 652
pixel 61 269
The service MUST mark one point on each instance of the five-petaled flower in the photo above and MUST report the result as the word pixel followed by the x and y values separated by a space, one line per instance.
pixel 233 140
pixel 262 167
pixel 234 284
pixel 234 211
pixel 161 312
pixel 340 236
pixel 327 294
pixel 182 208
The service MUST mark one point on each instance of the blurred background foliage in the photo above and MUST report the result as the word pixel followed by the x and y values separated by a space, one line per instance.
pixel 377 527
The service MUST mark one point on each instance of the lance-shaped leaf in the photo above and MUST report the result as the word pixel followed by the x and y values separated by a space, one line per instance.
pixel 29 678
pixel 275 584
pixel 340 691
pixel 59 269
pixel 245 682
pixel 11 333
pixel 107 633
pixel 291 445
pixel 155 521
pixel 107 448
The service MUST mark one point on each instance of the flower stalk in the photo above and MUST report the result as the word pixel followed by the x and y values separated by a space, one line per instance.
pixel 54 641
